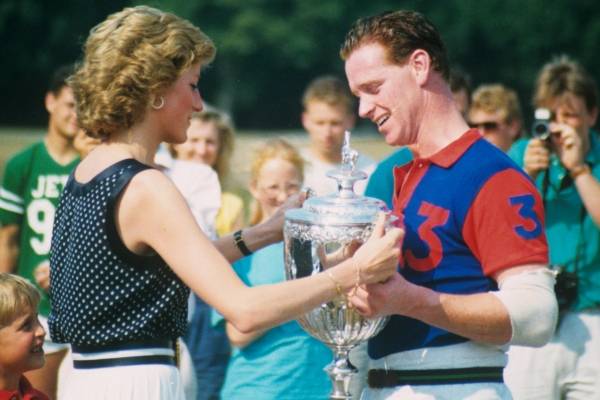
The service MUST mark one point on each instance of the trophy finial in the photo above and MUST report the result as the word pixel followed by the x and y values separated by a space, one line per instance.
pixel 349 155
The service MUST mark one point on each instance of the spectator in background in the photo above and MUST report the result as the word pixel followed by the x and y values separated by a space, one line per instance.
pixel 33 181
pixel 210 141
pixel 496 112
pixel 192 172
pixel 328 112
pixel 566 169
pixel 283 362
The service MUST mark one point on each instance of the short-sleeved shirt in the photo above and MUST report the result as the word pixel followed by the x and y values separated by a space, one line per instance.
pixel 283 364
pixel 573 237
pixel 31 187
pixel 102 293
pixel 469 212
pixel 381 181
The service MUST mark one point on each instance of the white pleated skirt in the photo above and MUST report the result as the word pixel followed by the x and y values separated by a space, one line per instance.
pixel 149 382
pixel 146 381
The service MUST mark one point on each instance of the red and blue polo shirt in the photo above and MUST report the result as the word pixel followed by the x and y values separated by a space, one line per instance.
pixel 469 212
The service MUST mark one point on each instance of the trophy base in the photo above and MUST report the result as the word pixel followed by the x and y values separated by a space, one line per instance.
pixel 340 372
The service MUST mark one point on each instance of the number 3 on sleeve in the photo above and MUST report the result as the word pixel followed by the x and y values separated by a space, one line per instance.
pixel 529 226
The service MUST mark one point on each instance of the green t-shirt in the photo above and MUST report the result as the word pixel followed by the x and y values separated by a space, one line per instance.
pixel 572 245
pixel 29 195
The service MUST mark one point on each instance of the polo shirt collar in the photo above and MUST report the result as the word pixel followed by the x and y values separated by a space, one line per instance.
pixel 451 153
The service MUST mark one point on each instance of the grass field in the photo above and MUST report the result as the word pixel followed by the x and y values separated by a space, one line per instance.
pixel 14 139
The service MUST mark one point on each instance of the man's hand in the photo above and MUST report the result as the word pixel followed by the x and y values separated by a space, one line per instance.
pixel 382 299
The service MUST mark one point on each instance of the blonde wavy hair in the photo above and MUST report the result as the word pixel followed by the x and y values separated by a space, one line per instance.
pixel 129 59
pixel 17 297
pixel 273 149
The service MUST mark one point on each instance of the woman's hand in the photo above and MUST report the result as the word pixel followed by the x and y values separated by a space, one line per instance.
pixel 377 258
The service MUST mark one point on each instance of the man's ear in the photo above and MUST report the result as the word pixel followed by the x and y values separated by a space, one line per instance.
pixel 303 120
pixel 420 63
pixel 49 102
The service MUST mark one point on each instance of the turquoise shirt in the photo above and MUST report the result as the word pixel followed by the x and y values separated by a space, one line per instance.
pixel 563 223
pixel 381 181
pixel 283 364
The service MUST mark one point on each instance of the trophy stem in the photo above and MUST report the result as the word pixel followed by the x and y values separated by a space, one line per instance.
pixel 340 372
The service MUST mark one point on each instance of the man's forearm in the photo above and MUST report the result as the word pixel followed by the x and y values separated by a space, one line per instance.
pixel 480 317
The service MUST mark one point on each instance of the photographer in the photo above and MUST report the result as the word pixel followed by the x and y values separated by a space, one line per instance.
pixel 565 164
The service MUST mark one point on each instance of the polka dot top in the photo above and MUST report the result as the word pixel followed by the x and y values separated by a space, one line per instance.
pixel 101 292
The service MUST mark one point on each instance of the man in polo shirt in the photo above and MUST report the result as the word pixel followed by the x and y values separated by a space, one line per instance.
pixel 473 274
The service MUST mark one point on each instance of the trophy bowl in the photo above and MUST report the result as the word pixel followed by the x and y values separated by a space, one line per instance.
pixel 321 234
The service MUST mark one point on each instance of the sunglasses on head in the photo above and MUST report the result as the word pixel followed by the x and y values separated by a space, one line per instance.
pixel 486 126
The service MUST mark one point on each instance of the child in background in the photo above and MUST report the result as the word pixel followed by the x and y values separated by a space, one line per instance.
pixel 210 141
pixel 21 338
pixel 283 362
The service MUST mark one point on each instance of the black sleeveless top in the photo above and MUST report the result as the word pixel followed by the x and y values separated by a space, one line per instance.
pixel 101 292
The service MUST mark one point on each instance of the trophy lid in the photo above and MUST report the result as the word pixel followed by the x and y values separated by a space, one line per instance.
pixel 344 207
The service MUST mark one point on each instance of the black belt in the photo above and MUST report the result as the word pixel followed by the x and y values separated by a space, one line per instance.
pixel 381 378
pixel 125 361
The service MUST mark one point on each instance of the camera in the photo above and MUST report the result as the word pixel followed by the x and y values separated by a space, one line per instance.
pixel 565 288
pixel 541 124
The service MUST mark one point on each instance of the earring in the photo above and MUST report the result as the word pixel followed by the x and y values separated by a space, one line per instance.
pixel 159 106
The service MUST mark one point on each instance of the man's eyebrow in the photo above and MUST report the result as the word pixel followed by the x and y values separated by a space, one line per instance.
pixel 369 84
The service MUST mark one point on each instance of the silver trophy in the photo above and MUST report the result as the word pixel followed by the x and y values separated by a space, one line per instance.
pixel 324 232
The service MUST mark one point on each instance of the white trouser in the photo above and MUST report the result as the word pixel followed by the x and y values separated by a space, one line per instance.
pixel 462 355
pixel 566 368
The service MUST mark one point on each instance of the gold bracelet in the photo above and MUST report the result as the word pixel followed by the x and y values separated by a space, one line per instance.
pixel 357 283
pixel 338 287
pixel 579 170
